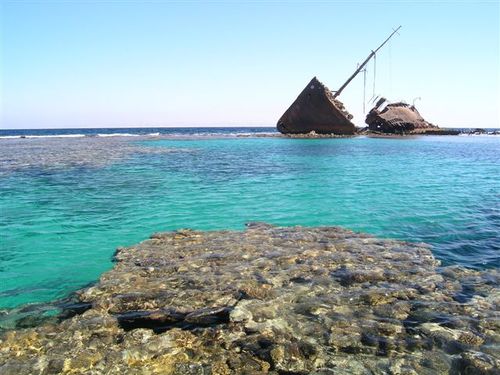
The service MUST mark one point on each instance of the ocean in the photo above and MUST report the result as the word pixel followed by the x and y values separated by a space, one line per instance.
pixel 70 197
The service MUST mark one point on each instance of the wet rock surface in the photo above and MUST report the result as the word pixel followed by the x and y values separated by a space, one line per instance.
pixel 272 300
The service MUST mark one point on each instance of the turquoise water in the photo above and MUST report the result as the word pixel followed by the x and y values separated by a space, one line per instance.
pixel 63 214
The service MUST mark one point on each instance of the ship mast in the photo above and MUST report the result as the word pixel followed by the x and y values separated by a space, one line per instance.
pixel 360 68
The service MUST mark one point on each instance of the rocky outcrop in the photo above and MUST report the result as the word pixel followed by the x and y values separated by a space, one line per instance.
pixel 271 300
pixel 316 110
pixel 397 118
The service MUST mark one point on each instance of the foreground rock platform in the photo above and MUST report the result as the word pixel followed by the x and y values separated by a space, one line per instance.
pixel 271 300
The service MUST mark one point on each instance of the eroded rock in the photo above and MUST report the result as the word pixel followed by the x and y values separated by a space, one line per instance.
pixel 271 300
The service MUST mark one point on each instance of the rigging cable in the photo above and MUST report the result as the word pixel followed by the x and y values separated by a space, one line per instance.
pixel 374 74
pixel 364 90
pixel 390 68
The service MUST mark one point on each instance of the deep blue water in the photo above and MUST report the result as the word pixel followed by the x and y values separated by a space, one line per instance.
pixel 132 131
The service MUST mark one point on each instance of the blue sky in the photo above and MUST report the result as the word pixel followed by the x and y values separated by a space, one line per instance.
pixel 224 63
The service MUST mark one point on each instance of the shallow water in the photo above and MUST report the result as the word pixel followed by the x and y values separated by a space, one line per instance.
pixel 67 203
pixel 271 300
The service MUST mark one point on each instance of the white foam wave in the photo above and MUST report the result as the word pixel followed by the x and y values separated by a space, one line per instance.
pixel 221 134
pixel 43 136
pixel 479 134
pixel 117 135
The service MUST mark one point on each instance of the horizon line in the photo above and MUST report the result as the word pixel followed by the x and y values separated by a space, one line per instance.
pixel 208 126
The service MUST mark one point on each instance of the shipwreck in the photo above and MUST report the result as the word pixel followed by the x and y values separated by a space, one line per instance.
pixel 397 118
pixel 318 110
pixel 401 119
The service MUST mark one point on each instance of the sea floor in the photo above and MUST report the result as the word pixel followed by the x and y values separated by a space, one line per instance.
pixel 271 300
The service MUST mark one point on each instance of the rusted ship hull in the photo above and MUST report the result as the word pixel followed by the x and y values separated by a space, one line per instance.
pixel 397 118
pixel 315 109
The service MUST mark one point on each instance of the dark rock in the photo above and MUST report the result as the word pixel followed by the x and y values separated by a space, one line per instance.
pixel 209 316
pixel 55 366
pixel 476 363
pixel 440 131
pixel 315 110
pixel 478 131
pixel 160 319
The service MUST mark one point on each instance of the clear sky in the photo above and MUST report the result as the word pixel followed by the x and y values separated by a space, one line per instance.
pixel 224 63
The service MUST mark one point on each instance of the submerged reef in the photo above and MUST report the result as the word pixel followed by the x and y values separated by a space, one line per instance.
pixel 271 300
pixel 50 154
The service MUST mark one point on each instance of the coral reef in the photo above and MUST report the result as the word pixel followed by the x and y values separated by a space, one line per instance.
pixel 271 300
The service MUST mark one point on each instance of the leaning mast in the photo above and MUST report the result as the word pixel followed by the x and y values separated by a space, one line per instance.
pixel 360 68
